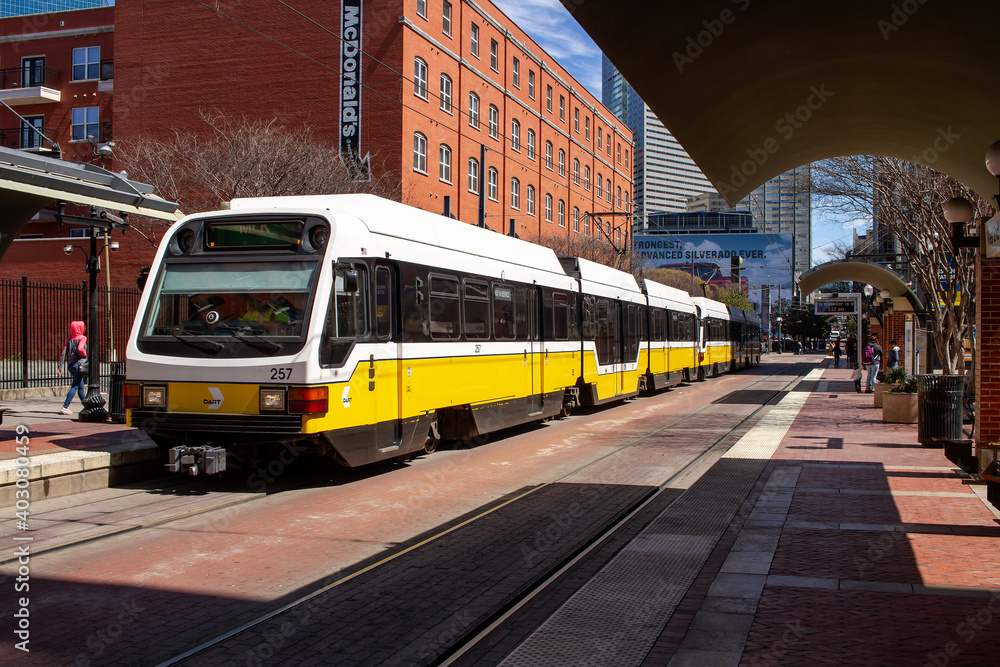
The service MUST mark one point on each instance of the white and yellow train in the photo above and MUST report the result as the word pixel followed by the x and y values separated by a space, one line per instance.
pixel 368 330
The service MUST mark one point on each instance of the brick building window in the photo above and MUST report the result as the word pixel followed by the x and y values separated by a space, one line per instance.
pixel 607 190
pixel 515 194
pixel 548 207
pixel 626 158
pixel 494 55
pixel 576 119
pixel 422 8
pixel 445 100
pixel 562 162
pixel 531 84
pixel 586 128
pixel 515 73
pixel 548 98
pixel 492 184
pixel 420 78
pixel 85 121
pixel 576 219
pixel 87 63
pixel 529 200
pixel 531 144
pixel 494 122
pixel 576 172
pixel 562 213
pixel 619 152
pixel 600 179
pixel 600 136
pixel 419 153
pixel 473 175
pixel 474 110
pixel 619 196
pixel 444 163
pixel 586 177
pixel 548 155
pixel 515 135
pixel 474 40
pixel 446 18
pixel 586 224
pixel 562 108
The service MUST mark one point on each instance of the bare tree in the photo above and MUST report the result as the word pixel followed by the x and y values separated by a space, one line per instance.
pixel 232 157
pixel 906 199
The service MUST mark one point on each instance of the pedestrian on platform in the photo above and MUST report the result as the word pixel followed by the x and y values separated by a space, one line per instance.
pixel 893 359
pixel 74 353
pixel 836 353
pixel 856 376
pixel 871 357
pixel 852 347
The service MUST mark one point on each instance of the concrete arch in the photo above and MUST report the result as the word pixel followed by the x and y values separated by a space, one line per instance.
pixel 867 272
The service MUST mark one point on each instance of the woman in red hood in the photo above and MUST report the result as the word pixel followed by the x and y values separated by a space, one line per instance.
pixel 73 352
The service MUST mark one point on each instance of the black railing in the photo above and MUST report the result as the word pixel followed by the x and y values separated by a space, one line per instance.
pixel 28 77
pixel 35 327
pixel 19 137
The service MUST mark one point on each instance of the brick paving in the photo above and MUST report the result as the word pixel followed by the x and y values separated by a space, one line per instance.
pixel 885 554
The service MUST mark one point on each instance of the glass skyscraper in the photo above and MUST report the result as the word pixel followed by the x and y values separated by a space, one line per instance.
pixel 665 175
pixel 27 7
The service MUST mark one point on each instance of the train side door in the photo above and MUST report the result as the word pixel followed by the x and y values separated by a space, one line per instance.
pixel 534 352
pixel 385 365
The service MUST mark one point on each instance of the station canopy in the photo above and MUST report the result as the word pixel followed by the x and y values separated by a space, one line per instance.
pixel 873 274
pixel 753 89
pixel 30 182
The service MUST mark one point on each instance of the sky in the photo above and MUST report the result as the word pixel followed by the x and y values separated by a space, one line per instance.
pixel 552 27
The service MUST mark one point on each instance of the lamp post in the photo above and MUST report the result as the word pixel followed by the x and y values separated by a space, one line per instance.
pixel 778 320
pixel 94 402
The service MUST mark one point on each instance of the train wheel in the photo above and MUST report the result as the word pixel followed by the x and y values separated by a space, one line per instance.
pixel 431 444
pixel 566 409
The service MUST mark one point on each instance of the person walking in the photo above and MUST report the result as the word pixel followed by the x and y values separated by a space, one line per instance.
pixel 871 357
pixel 73 353
pixel 852 348
pixel 836 353
pixel 893 359
pixel 856 376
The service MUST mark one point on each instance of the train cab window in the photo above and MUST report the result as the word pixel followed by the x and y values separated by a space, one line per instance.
pixel 444 306
pixel 383 303
pixel 346 316
pixel 477 310
pixel 503 312
pixel 560 316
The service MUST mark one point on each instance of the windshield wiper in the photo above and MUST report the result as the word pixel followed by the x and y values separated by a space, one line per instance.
pixel 192 337
pixel 253 339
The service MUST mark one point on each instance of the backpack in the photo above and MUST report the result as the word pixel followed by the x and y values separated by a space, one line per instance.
pixel 868 355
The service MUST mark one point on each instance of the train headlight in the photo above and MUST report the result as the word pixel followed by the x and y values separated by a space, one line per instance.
pixel 154 397
pixel 272 400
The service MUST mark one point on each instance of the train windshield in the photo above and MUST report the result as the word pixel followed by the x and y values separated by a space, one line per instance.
pixel 231 299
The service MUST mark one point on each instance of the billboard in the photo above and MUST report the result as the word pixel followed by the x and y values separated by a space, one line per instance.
pixel 767 258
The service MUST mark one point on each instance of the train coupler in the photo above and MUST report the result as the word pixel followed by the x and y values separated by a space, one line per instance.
pixel 196 460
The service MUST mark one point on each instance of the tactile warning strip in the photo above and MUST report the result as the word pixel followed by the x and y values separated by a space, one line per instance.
pixel 617 616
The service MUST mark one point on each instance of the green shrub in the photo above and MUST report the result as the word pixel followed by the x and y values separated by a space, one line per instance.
pixel 895 375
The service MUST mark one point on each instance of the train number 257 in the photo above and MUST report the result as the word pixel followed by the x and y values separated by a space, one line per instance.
pixel 281 373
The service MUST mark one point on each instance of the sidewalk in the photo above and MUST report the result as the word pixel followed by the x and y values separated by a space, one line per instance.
pixel 857 546
pixel 68 456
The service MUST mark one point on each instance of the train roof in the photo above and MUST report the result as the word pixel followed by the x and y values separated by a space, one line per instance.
pixel 676 297
pixel 712 308
pixel 598 273
pixel 389 218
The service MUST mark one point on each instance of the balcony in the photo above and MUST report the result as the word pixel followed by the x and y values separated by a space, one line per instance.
pixel 20 138
pixel 107 82
pixel 20 86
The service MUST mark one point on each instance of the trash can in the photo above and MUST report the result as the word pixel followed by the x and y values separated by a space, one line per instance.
pixel 939 407
pixel 116 403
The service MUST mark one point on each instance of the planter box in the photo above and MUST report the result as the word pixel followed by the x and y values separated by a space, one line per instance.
pixel 899 408
pixel 880 389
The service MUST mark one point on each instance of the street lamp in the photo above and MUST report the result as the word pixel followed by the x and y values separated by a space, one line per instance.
pixel 778 320
pixel 94 402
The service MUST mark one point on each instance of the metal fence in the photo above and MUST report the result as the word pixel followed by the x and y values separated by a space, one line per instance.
pixel 35 326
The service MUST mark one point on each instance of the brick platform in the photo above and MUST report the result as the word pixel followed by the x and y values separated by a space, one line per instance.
pixel 858 546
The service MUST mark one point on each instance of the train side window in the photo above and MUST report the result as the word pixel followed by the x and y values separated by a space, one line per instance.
pixel 477 310
pixel 346 317
pixel 589 317
pixel 383 303
pixel 607 331
pixel 503 312
pixel 445 310
pixel 631 351
pixel 560 316
pixel 659 324
pixel 520 313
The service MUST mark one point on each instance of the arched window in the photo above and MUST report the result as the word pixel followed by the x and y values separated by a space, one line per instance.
pixel 607 190
pixel 492 184
pixel 445 100
pixel 529 196
pixel 420 78
pixel 619 196
pixel 562 162
pixel 515 194
pixel 515 135
pixel 586 177
pixel 576 171
pixel 474 110
pixel 576 219
pixel 444 163
pixel 548 207
pixel 494 122
pixel 600 180
pixel 562 213
pixel 531 144
pixel 473 175
pixel 548 155
pixel 419 153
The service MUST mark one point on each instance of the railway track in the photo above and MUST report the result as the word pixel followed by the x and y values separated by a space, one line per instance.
pixel 441 598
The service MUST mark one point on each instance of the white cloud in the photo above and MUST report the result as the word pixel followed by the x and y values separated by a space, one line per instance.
pixel 549 24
